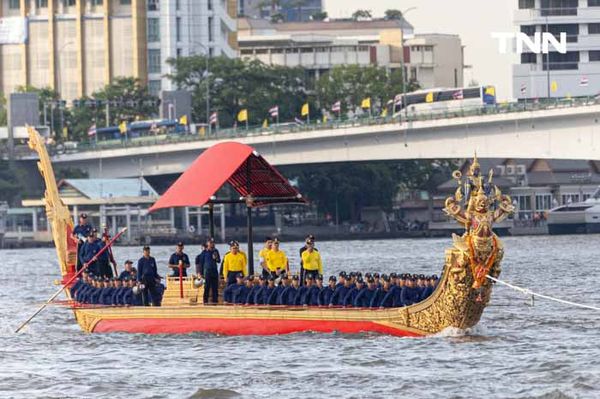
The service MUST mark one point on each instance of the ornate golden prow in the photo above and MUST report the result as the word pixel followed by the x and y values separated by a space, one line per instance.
pixel 57 212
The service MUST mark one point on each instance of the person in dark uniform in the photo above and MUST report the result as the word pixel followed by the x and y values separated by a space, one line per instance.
pixel 350 297
pixel 409 294
pixel 381 299
pixel 315 290
pixel 106 258
pixel 79 284
pixel 288 294
pixel 257 284
pixel 129 271
pixel 327 292
pixel 149 278
pixel 275 296
pixel 241 294
pixel 107 292
pixel 96 293
pixel 309 240
pixel 177 259
pixel 127 294
pixel 259 291
pixel 80 234
pixel 364 297
pixel 207 267
pixel 229 293
pixel 340 292
pixel 302 294
pixel 269 296
pixel 89 249
pixel 117 293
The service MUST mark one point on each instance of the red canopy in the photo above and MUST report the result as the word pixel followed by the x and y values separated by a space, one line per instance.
pixel 237 164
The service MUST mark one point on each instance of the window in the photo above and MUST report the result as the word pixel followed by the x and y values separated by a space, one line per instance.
pixel 543 202
pixel 69 3
pixel 529 30
pixel 14 4
pixel 154 87
pixel 559 7
pixel 178 29
pixel 526 4
pixel 210 5
pixel 594 29
pixel 594 55
pixel 572 31
pixel 125 2
pixel 153 61
pixel 97 3
pixel 523 204
pixel 528 58
pixel 41 3
pixel 558 61
pixel 593 3
pixel 153 5
pixel 177 5
pixel 569 198
pixel 153 30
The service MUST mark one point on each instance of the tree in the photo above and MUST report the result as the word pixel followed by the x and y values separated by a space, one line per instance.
pixel 11 182
pixel 320 16
pixel 393 14
pixel 361 15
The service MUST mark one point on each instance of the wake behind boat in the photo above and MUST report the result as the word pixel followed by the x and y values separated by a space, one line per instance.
pixel 458 301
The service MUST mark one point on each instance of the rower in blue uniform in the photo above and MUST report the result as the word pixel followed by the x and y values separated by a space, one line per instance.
pixel 149 278
pixel 257 284
pixel 288 295
pixel 327 292
pixel 117 293
pixel 351 295
pixel 409 294
pixel 313 294
pixel 230 291
pixel 107 292
pixel 364 297
pixel 273 298
pixel 340 291
pixel 259 292
pixel 129 271
pixel 240 296
pixel 127 296
pixel 302 294
pixel 381 298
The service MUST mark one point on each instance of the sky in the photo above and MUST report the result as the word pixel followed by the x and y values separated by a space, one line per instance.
pixel 473 20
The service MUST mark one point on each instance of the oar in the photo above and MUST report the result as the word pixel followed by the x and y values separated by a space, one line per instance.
pixel 84 267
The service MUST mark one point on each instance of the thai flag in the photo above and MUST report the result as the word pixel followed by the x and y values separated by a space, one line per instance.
pixel 398 100
pixel 92 130
pixel 214 118
pixel 274 112
pixel 337 106
pixel 584 81
pixel 299 121
pixel 458 95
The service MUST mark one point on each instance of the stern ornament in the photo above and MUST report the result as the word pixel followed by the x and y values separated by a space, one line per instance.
pixel 477 205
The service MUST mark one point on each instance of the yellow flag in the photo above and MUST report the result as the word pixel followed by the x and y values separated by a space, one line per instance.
pixel 305 110
pixel 554 86
pixel 265 123
pixel 324 118
pixel 183 120
pixel 65 133
pixel 429 97
pixel 490 90
pixel 123 127
pixel 384 113
pixel 243 116
pixel 202 132
pixel 366 103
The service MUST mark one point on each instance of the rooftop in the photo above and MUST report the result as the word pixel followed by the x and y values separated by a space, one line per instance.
pixel 106 188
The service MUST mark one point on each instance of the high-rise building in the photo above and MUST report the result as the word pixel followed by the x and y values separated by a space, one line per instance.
pixel 290 10
pixel 73 46
pixel 575 73
pixel 187 27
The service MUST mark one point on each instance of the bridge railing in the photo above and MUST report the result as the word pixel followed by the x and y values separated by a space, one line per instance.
pixel 331 124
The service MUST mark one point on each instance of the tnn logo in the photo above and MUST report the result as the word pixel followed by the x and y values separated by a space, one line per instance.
pixel 540 44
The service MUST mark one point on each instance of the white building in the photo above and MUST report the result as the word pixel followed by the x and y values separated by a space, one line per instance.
pixel 576 73
pixel 187 27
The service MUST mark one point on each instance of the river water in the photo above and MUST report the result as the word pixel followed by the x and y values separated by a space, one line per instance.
pixel 517 351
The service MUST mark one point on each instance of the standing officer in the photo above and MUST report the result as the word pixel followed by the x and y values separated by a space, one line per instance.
pixel 234 262
pixel 179 259
pixel 262 255
pixel 89 249
pixel 277 261
pixel 310 239
pixel 311 264
pixel 80 234
pixel 149 278
pixel 207 267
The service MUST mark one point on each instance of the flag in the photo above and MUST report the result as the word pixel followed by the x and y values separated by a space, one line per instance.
pixel 458 95
pixel 324 118
pixel 523 89
pixel 183 120
pixel 305 110
pixel 298 121
pixel 274 111
pixel 265 123
pixel 65 133
pixel 490 90
pixel 429 97
pixel 123 127
pixel 554 86
pixel 92 130
pixel 584 81
pixel 398 100
pixel 337 106
pixel 366 103
pixel 214 118
pixel 384 113
pixel 243 116
pixel 202 131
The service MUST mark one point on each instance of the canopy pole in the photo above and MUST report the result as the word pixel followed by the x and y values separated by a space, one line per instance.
pixel 250 242
pixel 211 220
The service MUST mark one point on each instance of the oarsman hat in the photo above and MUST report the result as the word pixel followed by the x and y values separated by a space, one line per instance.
pixel 385 277
pixel 261 278
pixel 393 275
pixel 370 280
pixel 376 275
pixel 267 238
pixel 295 277
pixel 83 215
pixel 308 277
pixel 332 278
pixel 239 275
pixel 342 274
pixel 320 277
pixel 129 262
pixel 284 276
pixel 94 231
pixel 276 240
pixel 234 243
pixel 310 237
pixel 271 278
pixel 180 244
pixel 359 281
pixel 146 248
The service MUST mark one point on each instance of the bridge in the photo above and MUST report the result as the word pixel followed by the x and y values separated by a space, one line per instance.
pixel 556 132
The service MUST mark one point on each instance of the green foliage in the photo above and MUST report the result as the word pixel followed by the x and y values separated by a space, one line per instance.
pixel 320 16
pixel 11 182
pixel 237 84
pixel 361 15
pixel 393 14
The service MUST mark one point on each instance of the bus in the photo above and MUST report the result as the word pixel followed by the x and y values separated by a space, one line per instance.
pixel 442 100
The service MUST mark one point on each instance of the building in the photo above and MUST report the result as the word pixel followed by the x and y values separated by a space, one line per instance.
pixel 86 43
pixel 292 11
pixel 73 46
pixel 320 45
pixel 576 73
pixel 436 60
pixel 187 27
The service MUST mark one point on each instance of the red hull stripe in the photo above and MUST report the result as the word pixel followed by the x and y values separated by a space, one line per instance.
pixel 242 326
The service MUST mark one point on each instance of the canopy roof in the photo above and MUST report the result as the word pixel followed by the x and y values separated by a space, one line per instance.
pixel 234 163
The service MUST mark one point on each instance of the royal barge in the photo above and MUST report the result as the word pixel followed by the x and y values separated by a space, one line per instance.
pixel 458 301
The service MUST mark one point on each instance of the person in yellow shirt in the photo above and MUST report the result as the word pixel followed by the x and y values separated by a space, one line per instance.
pixel 262 255
pixel 277 261
pixel 311 261
pixel 234 262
